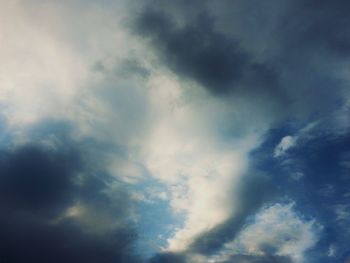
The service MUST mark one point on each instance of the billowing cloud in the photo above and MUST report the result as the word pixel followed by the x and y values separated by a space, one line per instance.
pixel 58 205
pixel 238 54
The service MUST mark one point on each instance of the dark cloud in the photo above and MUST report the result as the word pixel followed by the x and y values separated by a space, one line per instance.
pixel 169 258
pixel 327 25
pixel 57 205
pixel 279 55
pixel 34 178
pixel 198 51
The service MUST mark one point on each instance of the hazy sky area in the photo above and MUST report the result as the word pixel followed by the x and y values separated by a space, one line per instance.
pixel 173 131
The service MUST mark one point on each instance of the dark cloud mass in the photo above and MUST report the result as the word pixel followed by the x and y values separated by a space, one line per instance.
pixel 55 207
pixel 195 50
pixel 280 55
pixel 199 52
pixel 328 25
pixel 169 258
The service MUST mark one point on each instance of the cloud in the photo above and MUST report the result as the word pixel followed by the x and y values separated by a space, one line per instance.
pixel 276 233
pixel 185 94
pixel 196 50
pixel 108 88
pixel 252 52
pixel 57 207
pixel 285 143
pixel 185 152
pixel 84 70
pixel 168 258
pixel 237 54
pixel 278 230
pixel 254 191
pixel 257 259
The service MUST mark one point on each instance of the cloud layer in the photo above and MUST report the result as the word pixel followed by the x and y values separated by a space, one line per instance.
pixel 174 131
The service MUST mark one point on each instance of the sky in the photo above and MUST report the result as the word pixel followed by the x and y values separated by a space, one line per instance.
pixel 160 131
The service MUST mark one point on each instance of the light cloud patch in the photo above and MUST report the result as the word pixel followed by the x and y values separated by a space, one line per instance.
pixel 286 143
pixel 277 230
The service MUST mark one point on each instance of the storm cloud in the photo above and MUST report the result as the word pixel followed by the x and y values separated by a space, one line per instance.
pixel 56 206
pixel 199 52
pixel 287 53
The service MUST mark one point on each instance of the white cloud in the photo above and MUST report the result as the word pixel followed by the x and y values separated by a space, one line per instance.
pixel 286 143
pixel 187 153
pixel 48 53
pixel 278 230
pixel 39 72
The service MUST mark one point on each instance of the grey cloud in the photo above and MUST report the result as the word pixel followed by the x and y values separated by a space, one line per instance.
pixel 278 54
pixel 327 27
pixel 169 258
pixel 198 51
pixel 130 67
pixel 41 185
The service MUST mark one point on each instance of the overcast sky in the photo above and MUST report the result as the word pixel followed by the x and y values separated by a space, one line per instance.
pixel 160 131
